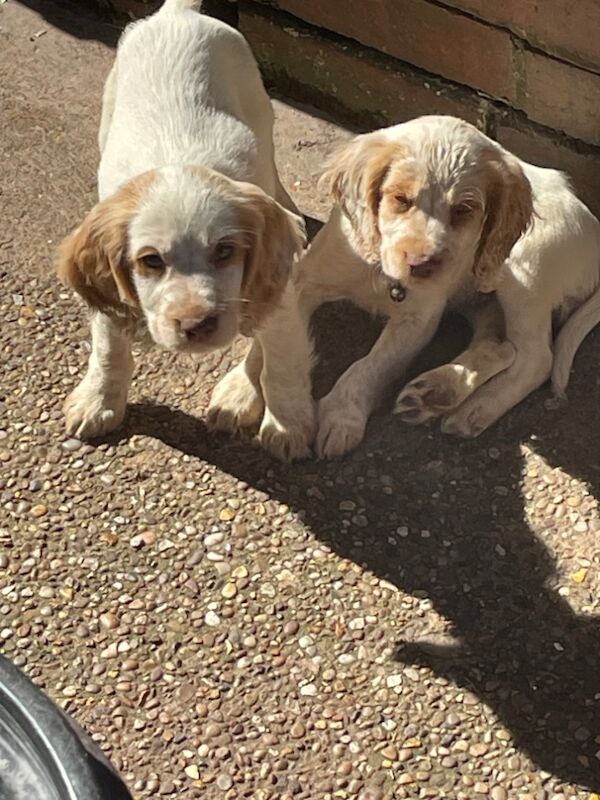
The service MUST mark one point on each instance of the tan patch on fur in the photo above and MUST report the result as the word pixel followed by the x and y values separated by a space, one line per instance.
pixel 274 237
pixel 508 212
pixel 355 180
pixel 93 261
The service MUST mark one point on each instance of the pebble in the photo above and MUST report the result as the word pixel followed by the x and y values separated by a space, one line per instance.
pixel 229 590
pixel 192 772
pixel 291 628
pixel 224 782
pixel 71 445
pixel 211 618
pixel 297 731
pixel 308 690
pixel 109 621
pixel 39 510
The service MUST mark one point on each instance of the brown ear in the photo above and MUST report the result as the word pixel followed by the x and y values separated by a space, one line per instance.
pixel 275 238
pixel 354 179
pixel 93 259
pixel 509 209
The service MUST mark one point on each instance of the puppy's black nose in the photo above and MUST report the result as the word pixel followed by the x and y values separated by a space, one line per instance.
pixel 196 330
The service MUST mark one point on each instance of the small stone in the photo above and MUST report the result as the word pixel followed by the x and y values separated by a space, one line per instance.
pixel 478 749
pixel 143 538
pixel 71 445
pixel 390 752
pixel 109 621
pixel 212 619
pixel 308 690
pixel 371 793
pixel 499 793
pixel 297 730
pixel 412 742
pixel 345 768
pixel 109 652
pixel 580 575
pixel 291 628
pixel 226 514
pixel 347 505
pixel 224 782
pixel 240 572
pixel 229 590
pixel 192 772
pixel 393 680
pixel 39 510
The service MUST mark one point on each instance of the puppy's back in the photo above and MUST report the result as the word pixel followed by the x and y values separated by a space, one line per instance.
pixel 188 90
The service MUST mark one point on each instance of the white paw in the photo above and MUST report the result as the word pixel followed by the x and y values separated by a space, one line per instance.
pixel 467 423
pixel 92 411
pixel 291 440
pixel 235 403
pixel 341 428
pixel 432 394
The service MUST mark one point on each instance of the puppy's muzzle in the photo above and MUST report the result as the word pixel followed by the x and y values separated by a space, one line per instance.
pixel 198 330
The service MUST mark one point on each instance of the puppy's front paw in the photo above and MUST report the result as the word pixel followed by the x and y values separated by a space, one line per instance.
pixel 432 394
pixel 291 440
pixel 341 428
pixel 91 411
pixel 467 423
pixel 235 403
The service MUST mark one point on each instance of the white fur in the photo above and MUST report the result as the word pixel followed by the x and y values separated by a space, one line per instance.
pixel 184 91
pixel 552 270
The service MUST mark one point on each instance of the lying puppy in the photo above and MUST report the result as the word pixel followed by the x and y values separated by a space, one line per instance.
pixel 194 235
pixel 431 214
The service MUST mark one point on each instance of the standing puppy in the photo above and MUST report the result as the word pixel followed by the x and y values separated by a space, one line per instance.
pixel 430 214
pixel 194 235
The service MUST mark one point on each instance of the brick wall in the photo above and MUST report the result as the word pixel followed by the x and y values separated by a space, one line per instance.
pixel 525 71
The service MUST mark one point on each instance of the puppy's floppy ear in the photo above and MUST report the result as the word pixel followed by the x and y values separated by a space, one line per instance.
pixel 275 238
pixel 508 213
pixel 354 179
pixel 93 259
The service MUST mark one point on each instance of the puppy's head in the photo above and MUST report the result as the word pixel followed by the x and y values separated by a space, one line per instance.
pixel 199 256
pixel 430 199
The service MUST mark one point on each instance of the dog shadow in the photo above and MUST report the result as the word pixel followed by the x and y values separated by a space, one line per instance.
pixel 450 527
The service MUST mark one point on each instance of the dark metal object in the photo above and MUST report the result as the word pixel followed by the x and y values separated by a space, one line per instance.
pixel 44 755
pixel 397 292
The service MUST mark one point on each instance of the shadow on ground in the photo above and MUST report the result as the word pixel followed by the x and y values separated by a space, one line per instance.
pixel 516 643
pixel 82 21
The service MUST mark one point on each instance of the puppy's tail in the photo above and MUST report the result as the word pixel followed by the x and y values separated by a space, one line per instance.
pixel 181 5
pixel 571 335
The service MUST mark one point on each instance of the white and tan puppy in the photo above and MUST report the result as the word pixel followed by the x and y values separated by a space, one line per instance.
pixel 429 214
pixel 194 235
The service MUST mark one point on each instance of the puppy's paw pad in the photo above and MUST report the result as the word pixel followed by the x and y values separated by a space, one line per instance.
pixel 430 395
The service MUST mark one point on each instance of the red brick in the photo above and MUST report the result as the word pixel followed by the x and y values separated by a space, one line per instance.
pixel 583 169
pixel 346 82
pixel 562 96
pixel 567 28
pixel 436 39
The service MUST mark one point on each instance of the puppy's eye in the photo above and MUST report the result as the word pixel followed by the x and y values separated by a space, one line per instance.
pixel 403 202
pixel 223 251
pixel 460 213
pixel 153 261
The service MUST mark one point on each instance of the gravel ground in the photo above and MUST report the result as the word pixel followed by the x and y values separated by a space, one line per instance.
pixel 417 620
